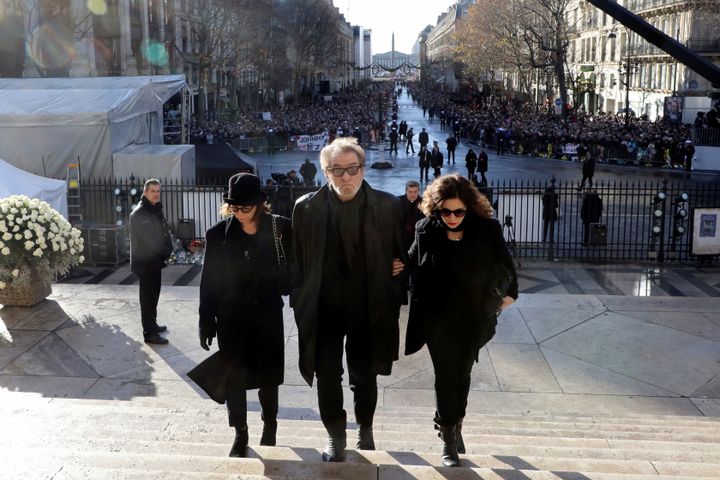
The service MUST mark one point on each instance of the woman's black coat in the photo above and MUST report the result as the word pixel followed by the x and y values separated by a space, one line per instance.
pixel 489 263
pixel 240 300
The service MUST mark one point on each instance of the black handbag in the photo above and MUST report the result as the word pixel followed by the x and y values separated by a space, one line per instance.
pixel 497 287
pixel 283 266
pixel 212 375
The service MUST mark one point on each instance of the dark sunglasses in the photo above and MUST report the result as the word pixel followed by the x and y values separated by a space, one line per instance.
pixel 339 172
pixel 459 213
pixel 243 209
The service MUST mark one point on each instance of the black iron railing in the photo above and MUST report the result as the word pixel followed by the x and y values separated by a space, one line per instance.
pixel 624 232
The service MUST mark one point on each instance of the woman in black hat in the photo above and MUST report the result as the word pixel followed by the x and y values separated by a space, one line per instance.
pixel 241 302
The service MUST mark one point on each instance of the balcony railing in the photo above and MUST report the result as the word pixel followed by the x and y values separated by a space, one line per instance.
pixel 643 5
pixel 700 45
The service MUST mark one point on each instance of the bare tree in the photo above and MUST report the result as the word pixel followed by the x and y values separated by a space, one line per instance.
pixel 312 33
pixel 544 28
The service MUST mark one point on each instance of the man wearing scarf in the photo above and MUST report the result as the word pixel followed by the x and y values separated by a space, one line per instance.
pixel 348 255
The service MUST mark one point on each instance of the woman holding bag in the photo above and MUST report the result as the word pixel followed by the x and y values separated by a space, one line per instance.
pixel 244 276
pixel 459 245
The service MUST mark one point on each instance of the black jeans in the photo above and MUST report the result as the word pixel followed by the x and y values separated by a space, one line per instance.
pixel 548 225
pixel 149 295
pixel 424 171
pixel 453 365
pixel 588 178
pixel 237 406
pixel 471 172
pixel 451 153
pixel 409 146
pixel 329 372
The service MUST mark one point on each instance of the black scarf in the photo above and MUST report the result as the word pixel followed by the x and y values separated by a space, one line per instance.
pixel 346 218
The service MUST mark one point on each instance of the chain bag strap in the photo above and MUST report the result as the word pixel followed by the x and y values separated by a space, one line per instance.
pixel 283 276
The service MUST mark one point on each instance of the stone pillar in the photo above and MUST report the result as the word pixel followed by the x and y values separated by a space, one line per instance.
pixel 146 67
pixel 83 64
pixel 128 65
pixel 31 18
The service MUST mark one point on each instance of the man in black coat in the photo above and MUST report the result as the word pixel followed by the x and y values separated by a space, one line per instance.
pixel 423 138
pixel 150 245
pixel 471 163
pixel 393 140
pixel 436 160
pixel 349 250
pixel 483 165
pixel 588 171
pixel 410 204
pixel 409 145
pixel 424 163
pixel 688 154
pixel 451 146
pixel 590 212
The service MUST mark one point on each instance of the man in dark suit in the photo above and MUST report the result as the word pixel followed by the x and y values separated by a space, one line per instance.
pixel 590 212
pixel 423 138
pixel 349 251
pixel 150 245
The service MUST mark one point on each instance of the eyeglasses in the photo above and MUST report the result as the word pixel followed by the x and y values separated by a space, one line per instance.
pixel 339 171
pixel 243 209
pixel 459 213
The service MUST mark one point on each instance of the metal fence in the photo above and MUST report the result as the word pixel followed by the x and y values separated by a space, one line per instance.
pixel 628 215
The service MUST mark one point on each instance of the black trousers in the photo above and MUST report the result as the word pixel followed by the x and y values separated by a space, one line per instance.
pixel 424 171
pixel 149 295
pixel 436 172
pixel 329 371
pixel 451 153
pixel 482 177
pixel 548 225
pixel 237 406
pixel 588 178
pixel 453 365
pixel 471 172
pixel 409 147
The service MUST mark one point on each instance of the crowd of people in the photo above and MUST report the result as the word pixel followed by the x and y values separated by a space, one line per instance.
pixel 349 112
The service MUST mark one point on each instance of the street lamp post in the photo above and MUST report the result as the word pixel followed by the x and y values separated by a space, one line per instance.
pixel 628 68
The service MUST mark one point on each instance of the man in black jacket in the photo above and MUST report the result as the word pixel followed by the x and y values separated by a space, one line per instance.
pixel 150 245
pixel 590 212
pixel 410 204
pixel 349 250
pixel 423 138
pixel 451 146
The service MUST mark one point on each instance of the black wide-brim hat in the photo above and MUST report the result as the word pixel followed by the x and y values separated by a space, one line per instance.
pixel 244 189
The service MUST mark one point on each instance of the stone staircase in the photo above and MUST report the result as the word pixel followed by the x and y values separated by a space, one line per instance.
pixel 59 438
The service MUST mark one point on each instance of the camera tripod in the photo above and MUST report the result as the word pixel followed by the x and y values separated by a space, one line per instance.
pixel 509 234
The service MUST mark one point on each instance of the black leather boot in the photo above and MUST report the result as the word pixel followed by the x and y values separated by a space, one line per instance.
pixel 269 434
pixel 335 449
pixel 366 440
pixel 449 438
pixel 458 434
pixel 239 446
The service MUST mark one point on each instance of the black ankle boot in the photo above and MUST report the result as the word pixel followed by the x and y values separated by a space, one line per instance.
pixel 335 449
pixel 269 434
pixel 458 434
pixel 239 446
pixel 366 440
pixel 449 438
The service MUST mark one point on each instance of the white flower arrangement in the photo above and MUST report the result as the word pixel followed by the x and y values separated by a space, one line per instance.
pixel 35 241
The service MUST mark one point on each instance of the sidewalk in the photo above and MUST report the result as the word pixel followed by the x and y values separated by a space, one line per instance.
pixel 617 341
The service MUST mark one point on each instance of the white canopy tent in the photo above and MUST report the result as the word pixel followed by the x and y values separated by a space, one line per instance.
pixel 14 181
pixel 47 123
pixel 166 162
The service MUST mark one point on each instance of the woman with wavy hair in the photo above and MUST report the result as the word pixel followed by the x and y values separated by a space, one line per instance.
pixel 464 278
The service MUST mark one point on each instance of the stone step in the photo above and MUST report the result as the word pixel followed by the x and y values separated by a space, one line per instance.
pixel 60 458
pixel 214 413
pixel 308 448
pixel 61 465
pixel 204 405
pixel 170 426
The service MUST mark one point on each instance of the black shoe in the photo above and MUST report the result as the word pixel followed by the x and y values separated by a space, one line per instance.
pixel 366 441
pixel 156 339
pixel 161 328
pixel 449 453
pixel 458 435
pixel 239 446
pixel 335 449
pixel 269 434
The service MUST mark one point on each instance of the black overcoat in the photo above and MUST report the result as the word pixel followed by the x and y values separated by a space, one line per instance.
pixel 476 323
pixel 150 242
pixel 383 240
pixel 240 300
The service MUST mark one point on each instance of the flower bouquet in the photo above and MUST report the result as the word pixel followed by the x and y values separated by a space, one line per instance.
pixel 36 244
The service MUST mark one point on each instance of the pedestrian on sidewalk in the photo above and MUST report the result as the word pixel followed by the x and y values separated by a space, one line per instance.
pixel 471 163
pixel 409 145
pixel 451 143
pixel 483 166
pixel 350 252
pixel 241 303
pixel 550 211
pixel 436 159
pixel 424 163
pixel 150 245
pixel 458 244
pixel 393 140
